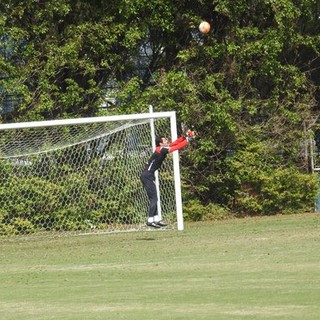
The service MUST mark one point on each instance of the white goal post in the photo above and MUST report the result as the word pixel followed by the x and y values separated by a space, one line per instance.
pixel 83 175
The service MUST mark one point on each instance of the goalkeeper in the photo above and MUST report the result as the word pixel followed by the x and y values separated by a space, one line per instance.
pixel 163 147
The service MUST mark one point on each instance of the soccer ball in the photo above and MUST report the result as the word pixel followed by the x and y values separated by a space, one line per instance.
pixel 204 27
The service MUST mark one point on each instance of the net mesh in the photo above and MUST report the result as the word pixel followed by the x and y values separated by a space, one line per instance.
pixel 80 178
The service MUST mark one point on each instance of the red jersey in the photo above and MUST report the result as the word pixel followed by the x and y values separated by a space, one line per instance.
pixel 161 152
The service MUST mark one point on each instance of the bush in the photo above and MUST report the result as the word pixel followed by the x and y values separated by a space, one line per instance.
pixel 279 191
pixel 195 211
pixel 66 201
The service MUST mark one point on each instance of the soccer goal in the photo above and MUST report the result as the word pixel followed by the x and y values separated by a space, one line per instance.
pixel 83 175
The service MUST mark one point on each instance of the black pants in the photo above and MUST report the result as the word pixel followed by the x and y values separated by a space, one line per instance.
pixel 148 181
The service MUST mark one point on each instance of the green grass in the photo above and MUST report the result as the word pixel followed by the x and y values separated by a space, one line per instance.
pixel 257 268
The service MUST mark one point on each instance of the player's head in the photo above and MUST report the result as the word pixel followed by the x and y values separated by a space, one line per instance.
pixel 161 141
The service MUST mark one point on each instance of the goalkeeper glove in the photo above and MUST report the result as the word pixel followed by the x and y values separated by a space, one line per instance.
pixel 190 135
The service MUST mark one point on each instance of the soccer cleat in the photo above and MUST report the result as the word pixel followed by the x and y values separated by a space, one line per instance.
pixel 161 224
pixel 153 225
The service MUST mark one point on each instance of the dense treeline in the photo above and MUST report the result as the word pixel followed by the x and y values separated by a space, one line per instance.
pixel 250 87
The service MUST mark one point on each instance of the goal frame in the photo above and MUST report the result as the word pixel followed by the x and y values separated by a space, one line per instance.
pixel 139 116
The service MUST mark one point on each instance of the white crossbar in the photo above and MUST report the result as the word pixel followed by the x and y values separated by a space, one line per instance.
pixel 62 122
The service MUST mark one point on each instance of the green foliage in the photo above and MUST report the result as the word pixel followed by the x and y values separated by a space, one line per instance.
pixel 61 55
pixel 195 211
pixel 64 199
pixel 288 191
pixel 249 88
pixel 261 187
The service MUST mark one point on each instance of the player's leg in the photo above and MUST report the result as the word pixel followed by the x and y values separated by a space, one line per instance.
pixel 153 217
pixel 150 187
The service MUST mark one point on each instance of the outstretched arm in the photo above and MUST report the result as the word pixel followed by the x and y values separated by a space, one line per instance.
pixel 178 144
pixel 182 141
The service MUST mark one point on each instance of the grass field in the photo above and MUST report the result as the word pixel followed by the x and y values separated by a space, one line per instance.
pixel 257 268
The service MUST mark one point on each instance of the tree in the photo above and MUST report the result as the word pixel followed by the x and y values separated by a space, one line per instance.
pixel 249 87
pixel 60 54
pixel 252 82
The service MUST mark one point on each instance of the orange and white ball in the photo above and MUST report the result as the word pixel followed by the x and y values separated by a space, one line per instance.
pixel 204 27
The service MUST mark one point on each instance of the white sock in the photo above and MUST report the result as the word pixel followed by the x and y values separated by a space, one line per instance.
pixel 150 219
pixel 156 218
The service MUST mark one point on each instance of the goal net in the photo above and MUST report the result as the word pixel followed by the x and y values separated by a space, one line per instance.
pixel 83 175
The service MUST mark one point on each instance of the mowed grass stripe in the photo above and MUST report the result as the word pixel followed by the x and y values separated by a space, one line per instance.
pixel 255 268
